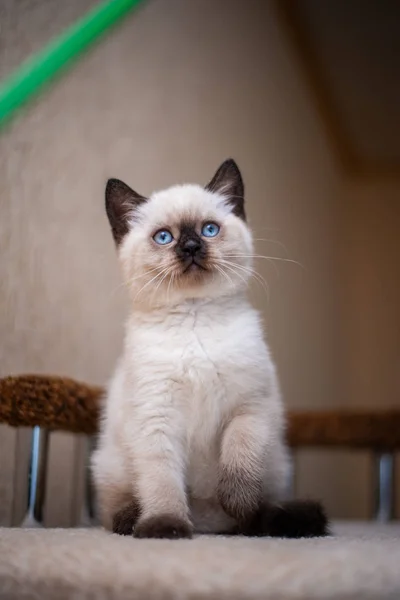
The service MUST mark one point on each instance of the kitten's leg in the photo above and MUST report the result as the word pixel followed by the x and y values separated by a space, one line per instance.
pixel 253 473
pixel 277 517
pixel 159 465
pixel 240 484
pixel 117 508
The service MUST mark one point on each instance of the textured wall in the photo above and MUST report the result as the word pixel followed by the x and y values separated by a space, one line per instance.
pixel 179 87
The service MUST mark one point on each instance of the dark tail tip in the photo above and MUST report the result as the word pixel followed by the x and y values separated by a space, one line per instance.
pixel 294 519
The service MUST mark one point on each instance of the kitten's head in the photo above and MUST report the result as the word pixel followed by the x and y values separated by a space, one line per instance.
pixel 184 242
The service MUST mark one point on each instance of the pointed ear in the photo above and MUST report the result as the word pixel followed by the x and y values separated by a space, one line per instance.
pixel 121 201
pixel 228 182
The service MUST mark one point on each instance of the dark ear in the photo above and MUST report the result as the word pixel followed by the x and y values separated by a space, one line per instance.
pixel 228 181
pixel 121 201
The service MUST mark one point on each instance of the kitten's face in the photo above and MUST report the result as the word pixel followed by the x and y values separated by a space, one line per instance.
pixel 184 242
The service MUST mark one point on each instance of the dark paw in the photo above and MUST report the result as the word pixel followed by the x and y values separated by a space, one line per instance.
pixel 239 493
pixel 125 519
pixel 294 519
pixel 299 518
pixel 163 526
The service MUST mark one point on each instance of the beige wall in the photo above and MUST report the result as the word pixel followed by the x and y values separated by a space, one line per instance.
pixel 178 88
pixel 369 254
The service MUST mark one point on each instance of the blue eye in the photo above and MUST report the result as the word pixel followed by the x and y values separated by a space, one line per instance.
pixel 163 237
pixel 210 230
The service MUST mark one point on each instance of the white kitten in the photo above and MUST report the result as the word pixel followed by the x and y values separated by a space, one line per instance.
pixel 192 435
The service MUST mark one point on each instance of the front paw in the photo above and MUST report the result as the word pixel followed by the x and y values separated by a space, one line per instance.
pixel 125 519
pixel 163 526
pixel 239 493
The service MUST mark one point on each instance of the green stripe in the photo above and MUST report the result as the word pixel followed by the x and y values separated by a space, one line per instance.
pixel 37 71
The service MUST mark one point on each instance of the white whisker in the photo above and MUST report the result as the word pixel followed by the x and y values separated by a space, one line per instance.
pixel 228 266
pixel 269 241
pixel 166 273
pixel 148 283
pixel 288 260
pixel 169 283
pixel 252 273
pixel 220 269
pixel 130 281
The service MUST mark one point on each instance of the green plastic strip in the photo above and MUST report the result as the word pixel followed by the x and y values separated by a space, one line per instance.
pixel 39 70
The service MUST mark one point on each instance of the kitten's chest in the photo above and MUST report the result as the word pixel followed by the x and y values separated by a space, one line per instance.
pixel 203 399
pixel 205 406
pixel 203 370
pixel 203 360
pixel 203 363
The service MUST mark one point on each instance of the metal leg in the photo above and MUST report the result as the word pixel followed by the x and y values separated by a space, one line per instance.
pixel 384 495
pixel 37 478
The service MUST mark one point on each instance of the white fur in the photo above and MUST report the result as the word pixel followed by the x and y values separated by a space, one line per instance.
pixel 195 386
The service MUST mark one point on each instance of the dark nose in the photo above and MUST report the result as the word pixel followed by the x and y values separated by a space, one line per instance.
pixel 191 247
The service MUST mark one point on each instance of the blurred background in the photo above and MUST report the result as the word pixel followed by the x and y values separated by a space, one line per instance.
pixel 305 95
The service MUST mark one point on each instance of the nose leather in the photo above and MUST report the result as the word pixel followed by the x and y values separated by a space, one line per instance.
pixel 191 247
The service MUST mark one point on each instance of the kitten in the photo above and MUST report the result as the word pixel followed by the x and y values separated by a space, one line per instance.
pixel 192 435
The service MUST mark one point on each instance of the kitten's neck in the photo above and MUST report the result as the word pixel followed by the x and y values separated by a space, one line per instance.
pixel 190 306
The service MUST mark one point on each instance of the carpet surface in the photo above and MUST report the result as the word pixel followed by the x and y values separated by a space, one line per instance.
pixel 359 561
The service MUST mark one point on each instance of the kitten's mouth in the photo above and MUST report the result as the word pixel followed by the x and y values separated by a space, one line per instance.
pixel 192 266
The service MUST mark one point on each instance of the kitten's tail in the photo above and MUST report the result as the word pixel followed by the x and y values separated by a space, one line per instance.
pixel 292 519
